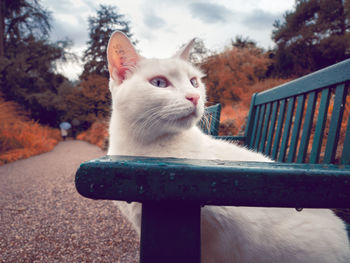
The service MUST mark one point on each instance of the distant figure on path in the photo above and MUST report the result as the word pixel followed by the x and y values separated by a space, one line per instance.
pixel 65 126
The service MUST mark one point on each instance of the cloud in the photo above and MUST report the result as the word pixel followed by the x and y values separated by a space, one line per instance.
pixel 69 6
pixel 210 13
pixel 74 31
pixel 260 19
pixel 58 6
pixel 151 20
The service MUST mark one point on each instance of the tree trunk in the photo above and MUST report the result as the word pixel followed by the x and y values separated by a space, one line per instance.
pixel 2 27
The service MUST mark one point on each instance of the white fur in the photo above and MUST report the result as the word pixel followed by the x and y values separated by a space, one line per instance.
pixel 146 121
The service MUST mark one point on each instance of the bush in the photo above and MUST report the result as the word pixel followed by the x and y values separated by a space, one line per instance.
pixel 234 115
pixel 20 137
pixel 97 134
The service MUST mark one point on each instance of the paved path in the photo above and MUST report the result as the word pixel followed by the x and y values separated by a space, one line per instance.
pixel 44 219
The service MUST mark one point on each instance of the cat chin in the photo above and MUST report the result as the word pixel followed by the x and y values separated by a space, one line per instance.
pixel 186 122
pixel 188 117
pixel 169 128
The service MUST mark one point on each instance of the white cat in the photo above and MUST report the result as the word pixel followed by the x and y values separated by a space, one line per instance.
pixel 156 104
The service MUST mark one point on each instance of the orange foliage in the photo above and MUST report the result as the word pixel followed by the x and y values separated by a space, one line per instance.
pixel 21 138
pixel 259 87
pixel 234 116
pixel 233 119
pixel 90 101
pixel 232 77
pixel 231 73
pixel 97 134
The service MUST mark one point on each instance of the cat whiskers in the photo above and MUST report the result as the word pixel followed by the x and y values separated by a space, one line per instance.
pixel 146 125
pixel 206 120
pixel 149 119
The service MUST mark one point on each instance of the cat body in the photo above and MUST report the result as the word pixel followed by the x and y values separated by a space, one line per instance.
pixel 156 104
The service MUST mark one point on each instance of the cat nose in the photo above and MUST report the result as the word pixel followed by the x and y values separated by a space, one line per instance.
pixel 193 97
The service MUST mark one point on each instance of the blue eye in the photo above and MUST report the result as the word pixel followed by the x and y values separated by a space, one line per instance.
pixel 194 82
pixel 159 82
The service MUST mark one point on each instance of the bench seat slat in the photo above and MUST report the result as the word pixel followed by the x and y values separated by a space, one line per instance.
pixel 345 159
pixel 305 137
pixel 215 112
pixel 296 128
pixel 259 127
pixel 271 128
pixel 255 125
pixel 286 130
pixel 210 182
pixel 334 127
pixel 320 125
pixel 251 116
pixel 265 128
pixel 276 142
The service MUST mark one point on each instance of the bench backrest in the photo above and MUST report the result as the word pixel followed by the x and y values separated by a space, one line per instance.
pixel 305 120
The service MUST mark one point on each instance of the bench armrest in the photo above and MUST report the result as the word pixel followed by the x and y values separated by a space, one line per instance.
pixel 210 182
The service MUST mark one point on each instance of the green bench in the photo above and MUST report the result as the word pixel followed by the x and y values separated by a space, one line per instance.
pixel 299 124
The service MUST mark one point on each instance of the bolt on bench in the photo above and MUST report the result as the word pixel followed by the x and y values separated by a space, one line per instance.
pixel 303 125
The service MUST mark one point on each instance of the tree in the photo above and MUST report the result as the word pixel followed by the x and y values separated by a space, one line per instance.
pixel 27 67
pixel 230 74
pixel 314 35
pixel 90 101
pixel 199 52
pixel 241 42
pixel 101 27
pixel 19 19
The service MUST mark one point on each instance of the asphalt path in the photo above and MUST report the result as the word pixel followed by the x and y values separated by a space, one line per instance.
pixel 44 219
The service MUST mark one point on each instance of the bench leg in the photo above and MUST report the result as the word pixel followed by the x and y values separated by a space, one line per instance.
pixel 170 232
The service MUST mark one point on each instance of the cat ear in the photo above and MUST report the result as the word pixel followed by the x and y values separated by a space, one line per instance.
pixel 121 55
pixel 184 53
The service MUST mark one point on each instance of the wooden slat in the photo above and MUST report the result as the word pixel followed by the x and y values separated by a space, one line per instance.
pixel 320 124
pixel 259 128
pixel 276 142
pixel 331 75
pixel 334 127
pixel 214 128
pixel 286 130
pixel 345 158
pixel 305 137
pixel 271 128
pixel 296 128
pixel 250 122
pixel 255 127
pixel 265 128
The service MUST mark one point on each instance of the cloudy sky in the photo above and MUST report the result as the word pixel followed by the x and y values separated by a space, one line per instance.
pixel 162 26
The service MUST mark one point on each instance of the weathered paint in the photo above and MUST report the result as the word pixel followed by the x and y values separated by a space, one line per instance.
pixel 144 179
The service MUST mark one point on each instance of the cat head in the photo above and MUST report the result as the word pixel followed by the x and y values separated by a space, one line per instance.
pixel 154 96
